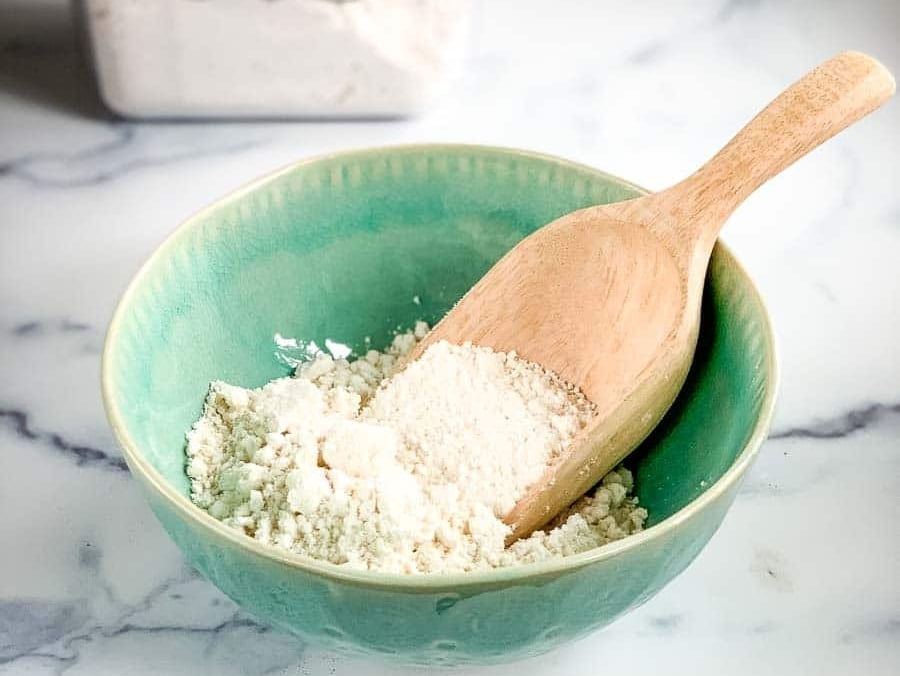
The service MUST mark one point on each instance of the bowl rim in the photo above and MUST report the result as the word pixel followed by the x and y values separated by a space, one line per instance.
pixel 421 582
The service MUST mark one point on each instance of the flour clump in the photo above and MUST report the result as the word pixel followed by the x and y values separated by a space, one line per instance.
pixel 406 468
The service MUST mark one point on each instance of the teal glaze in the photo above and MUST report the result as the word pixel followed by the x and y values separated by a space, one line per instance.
pixel 336 247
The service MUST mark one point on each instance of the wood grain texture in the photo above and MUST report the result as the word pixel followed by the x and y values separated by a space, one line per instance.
pixel 609 297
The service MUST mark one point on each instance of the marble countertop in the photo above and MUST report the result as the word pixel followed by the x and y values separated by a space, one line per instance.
pixel 801 578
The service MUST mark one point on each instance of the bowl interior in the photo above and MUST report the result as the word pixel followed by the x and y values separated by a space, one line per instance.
pixel 350 247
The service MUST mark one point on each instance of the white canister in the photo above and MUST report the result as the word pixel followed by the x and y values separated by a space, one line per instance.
pixel 274 58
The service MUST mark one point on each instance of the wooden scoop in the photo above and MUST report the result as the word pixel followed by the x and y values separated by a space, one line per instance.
pixel 609 296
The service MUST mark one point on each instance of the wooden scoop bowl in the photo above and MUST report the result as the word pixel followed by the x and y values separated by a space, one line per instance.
pixel 609 296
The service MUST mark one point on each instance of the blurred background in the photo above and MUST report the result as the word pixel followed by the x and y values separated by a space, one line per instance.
pixel 120 118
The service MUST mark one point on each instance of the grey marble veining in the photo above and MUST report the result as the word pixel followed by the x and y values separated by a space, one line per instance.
pixel 802 576
pixel 841 426
pixel 81 455
pixel 114 159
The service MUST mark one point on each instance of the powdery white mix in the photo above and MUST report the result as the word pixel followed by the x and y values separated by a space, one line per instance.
pixel 374 465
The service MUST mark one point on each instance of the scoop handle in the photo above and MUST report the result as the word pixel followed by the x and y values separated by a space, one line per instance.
pixel 825 101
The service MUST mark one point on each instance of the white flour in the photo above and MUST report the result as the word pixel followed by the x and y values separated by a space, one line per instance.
pixel 409 474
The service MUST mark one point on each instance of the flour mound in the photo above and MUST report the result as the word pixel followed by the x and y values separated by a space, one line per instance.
pixel 375 464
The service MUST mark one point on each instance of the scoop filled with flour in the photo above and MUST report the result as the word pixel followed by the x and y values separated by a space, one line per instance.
pixel 406 468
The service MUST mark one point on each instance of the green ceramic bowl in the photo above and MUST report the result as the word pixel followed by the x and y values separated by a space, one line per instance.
pixel 337 247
